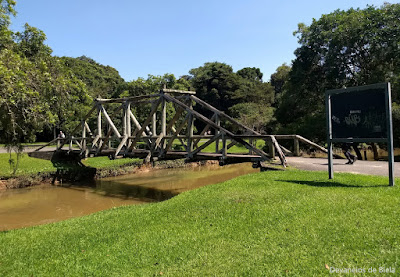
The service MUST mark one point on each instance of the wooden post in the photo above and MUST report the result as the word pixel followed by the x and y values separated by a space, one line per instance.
pixel 217 132
pixel 124 125
pixel 190 136
pixel 224 148
pixel 84 137
pixel 252 144
pixel 128 122
pixel 154 125
pixel 271 148
pixel 163 121
pixel 296 147
pixel 98 127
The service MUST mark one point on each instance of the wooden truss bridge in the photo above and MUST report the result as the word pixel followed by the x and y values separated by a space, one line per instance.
pixel 120 134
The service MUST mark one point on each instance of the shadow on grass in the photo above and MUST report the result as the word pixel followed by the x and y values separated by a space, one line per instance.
pixel 329 184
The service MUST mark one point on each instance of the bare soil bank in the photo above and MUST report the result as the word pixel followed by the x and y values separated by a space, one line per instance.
pixel 40 178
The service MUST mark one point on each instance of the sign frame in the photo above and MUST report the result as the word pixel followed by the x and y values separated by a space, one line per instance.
pixel 389 124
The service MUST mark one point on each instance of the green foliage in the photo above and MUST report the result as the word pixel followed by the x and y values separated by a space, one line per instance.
pixel 30 43
pixel 254 115
pixel 101 81
pixel 242 94
pixel 216 84
pixel 341 49
pixel 250 73
pixel 279 80
pixel 6 10
pixel 266 224
pixel 22 109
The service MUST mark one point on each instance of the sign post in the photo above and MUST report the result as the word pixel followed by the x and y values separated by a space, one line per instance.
pixel 360 114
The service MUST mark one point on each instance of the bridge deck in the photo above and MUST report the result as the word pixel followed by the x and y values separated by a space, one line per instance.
pixel 172 155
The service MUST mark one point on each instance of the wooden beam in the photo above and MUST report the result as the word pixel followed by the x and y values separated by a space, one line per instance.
pixel 206 120
pixel 178 91
pixel 121 144
pixel 218 122
pixel 229 146
pixel 153 148
pixel 279 150
pixel 220 113
pixel 129 99
pixel 198 115
pixel 171 141
pixel 138 133
pixel 204 145
pixel 47 144
pixel 88 129
pixel 205 129
pixel 104 142
pixel 84 119
pixel 115 130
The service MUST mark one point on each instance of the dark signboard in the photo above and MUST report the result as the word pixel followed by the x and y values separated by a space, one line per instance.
pixel 359 114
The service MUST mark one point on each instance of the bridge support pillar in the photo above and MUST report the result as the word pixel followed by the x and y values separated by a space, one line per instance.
pixel 271 148
pixel 296 147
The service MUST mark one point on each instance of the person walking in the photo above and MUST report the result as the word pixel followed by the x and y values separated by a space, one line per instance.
pixel 346 148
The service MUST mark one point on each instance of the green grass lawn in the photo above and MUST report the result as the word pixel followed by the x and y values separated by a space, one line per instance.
pixel 238 148
pixel 26 166
pixel 29 165
pixel 266 224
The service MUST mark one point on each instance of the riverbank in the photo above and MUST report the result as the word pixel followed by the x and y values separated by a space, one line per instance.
pixel 271 223
pixel 34 171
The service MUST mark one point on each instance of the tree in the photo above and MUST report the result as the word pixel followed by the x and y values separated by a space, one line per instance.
pixel 256 116
pixel 341 49
pixel 6 10
pixel 250 73
pixel 278 80
pixel 100 80
pixel 30 43
pixel 215 83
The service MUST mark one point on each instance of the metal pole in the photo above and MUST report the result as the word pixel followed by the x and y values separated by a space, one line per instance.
pixel 329 134
pixel 390 134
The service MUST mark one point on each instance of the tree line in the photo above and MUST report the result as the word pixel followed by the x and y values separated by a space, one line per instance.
pixel 41 93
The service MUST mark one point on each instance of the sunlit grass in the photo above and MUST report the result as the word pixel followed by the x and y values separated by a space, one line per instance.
pixel 274 223
pixel 31 166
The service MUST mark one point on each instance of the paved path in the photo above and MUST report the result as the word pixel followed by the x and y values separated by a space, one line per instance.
pixel 28 149
pixel 339 165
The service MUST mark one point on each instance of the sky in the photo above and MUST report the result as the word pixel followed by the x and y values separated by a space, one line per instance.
pixel 156 36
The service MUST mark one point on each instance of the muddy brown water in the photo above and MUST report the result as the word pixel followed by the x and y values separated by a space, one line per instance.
pixel 45 203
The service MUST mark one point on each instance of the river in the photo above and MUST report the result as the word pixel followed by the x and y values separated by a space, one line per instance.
pixel 46 203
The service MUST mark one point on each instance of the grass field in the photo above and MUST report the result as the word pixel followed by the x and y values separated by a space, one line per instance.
pixel 273 223
pixel 234 149
pixel 29 165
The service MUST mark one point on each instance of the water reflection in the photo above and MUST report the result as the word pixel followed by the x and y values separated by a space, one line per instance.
pixel 44 204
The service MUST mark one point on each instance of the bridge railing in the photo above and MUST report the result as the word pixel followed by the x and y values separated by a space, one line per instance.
pixel 155 138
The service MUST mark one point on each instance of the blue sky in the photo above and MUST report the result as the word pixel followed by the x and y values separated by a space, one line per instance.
pixel 156 37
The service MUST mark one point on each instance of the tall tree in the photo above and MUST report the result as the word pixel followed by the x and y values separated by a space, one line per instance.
pixel 341 49
pixel 278 80
pixel 6 10
pixel 100 80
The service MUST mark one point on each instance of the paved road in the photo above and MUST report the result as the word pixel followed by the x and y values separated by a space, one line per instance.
pixel 28 149
pixel 339 165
